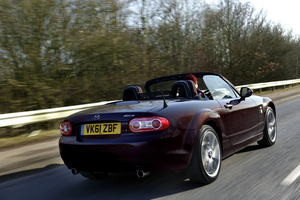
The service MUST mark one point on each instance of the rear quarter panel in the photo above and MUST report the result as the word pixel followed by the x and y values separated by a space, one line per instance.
pixel 190 116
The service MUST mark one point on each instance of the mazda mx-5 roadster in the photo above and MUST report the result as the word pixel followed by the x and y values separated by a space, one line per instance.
pixel 168 125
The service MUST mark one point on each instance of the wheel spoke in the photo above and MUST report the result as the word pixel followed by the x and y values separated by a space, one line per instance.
pixel 272 123
pixel 216 153
pixel 204 155
pixel 204 145
pixel 206 166
pixel 272 133
pixel 209 167
pixel 208 139
pixel 271 118
pixel 270 130
pixel 213 142
pixel 216 163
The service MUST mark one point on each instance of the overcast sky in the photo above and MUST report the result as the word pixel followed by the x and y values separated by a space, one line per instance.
pixel 286 12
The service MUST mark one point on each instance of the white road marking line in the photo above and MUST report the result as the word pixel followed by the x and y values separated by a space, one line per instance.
pixel 292 177
pixel 34 133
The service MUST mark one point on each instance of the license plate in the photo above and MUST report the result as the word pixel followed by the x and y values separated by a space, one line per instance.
pixel 101 129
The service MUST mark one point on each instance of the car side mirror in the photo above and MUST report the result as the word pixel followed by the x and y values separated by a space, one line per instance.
pixel 246 92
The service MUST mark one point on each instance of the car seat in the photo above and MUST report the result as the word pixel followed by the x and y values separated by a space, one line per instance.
pixel 131 93
pixel 181 89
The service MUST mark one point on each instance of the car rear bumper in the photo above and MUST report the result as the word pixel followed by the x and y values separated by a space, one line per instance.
pixel 150 152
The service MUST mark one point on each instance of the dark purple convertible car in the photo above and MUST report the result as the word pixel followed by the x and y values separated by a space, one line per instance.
pixel 168 126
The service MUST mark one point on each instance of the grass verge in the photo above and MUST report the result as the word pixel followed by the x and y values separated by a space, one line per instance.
pixel 24 139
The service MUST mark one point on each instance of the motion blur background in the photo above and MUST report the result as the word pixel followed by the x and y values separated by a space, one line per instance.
pixel 56 53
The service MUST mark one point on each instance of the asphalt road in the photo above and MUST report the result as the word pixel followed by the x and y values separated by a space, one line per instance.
pixel 253 173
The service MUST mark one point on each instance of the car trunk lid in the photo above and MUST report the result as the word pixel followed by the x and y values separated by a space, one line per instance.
pixel 113 116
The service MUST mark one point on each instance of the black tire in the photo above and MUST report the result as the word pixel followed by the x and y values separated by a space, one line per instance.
pixel 93 175
pixel 205 163
pixel 270 129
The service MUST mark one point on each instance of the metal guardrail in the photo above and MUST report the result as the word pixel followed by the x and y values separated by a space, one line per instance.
pixel 20 119
pixel 260 86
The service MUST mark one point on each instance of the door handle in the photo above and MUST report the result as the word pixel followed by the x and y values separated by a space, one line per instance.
pixel 228 105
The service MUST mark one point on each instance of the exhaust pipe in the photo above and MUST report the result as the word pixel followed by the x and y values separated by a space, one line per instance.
pixel 74 171
pixel 141 173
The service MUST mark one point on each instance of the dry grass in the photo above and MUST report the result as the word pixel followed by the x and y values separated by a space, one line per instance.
pixel 24 139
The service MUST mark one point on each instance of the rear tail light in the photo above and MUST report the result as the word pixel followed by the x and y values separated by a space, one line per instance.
pixel 66 128
pixel 148 124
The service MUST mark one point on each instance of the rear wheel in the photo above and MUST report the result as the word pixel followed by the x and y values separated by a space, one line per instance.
pixel 93 175
pixel 205 163
pixel 270 129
